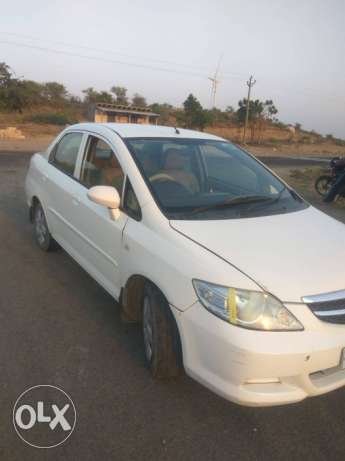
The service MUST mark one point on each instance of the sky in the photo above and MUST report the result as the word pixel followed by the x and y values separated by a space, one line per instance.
pixel 164 50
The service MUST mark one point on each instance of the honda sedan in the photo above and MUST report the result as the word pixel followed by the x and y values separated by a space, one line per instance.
pixel 235 278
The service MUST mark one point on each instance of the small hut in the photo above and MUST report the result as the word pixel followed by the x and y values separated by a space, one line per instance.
pixel 104 112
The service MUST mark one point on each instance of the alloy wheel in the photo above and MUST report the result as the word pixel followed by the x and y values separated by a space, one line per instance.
pixel 40 226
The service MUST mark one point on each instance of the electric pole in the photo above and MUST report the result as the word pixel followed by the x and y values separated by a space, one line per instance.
pixel 251 82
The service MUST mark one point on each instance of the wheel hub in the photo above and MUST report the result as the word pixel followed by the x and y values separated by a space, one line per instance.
pixel 40 225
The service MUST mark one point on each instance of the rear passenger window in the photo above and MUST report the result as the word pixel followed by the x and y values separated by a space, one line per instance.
pixel 66 152
pixel 100 166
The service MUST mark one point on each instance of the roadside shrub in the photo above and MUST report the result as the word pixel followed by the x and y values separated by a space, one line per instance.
pixel 339 142
pixel 50 119
pixel 305 140
pixel 280 124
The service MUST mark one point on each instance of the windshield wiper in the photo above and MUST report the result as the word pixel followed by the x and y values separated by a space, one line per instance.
pixel 235 201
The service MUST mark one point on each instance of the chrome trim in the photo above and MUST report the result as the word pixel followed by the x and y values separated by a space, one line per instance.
pixel 330 313
pixel 324 297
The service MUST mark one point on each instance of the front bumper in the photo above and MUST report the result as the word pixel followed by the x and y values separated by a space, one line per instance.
pixel 262 368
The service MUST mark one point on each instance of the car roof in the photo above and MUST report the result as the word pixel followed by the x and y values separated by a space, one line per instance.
pixel 132 130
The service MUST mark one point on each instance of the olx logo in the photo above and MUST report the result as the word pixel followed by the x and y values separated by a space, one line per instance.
pixel 44 416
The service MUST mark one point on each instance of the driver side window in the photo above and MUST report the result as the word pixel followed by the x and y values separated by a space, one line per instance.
pixel 100 166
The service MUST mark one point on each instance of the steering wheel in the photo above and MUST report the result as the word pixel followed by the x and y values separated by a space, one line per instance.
pixel 163 177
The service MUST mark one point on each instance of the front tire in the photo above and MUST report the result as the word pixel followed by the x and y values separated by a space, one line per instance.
pixel 162 345
pixel 42 235
pixel 323 184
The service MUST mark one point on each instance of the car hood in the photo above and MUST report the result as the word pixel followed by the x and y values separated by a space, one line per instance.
pixel 289 255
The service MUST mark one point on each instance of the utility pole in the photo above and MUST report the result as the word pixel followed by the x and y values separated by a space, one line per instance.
pixel 251 82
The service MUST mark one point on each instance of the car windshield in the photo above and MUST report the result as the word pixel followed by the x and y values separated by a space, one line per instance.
pixel 207 179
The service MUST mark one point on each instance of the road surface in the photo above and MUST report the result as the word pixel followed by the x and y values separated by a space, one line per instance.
pixel 57 326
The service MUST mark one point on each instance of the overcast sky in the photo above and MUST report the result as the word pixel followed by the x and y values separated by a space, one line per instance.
pixel 294 48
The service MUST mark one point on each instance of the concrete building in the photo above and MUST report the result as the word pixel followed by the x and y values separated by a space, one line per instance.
pixel 104 112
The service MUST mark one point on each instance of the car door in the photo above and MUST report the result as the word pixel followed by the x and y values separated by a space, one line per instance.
pixel 61 187
pixel 99 237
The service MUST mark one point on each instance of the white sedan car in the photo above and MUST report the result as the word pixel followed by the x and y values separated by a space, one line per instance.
pixel 235 278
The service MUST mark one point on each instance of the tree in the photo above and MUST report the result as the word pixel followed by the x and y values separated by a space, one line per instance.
pixel 121 94
pixel 269 109
pixel 104 96
pixel 216 116
pixel 74 100
pixel 55 92
pixel 139 100
pixel 5 75
pixel 165 111
pixel 255 110
pixel 92 96
pixel 194 116
pixel 30 93
pixel 260 113
pixel 11 90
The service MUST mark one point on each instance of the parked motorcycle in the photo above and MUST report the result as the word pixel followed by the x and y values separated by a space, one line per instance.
pixel 325 182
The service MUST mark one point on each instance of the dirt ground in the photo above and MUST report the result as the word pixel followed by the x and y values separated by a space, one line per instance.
pixel 37 137
pixel 279 141
pixel 299 150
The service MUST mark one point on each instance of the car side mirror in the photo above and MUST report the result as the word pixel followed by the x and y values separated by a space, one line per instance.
pixel 108 197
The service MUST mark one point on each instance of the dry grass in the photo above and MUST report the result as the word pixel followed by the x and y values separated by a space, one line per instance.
pixel 275 140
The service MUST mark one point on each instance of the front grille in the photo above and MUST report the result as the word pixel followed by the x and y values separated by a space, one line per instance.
pixel 332 311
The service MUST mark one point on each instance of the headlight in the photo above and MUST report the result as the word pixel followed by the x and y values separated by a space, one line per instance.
pixel 249 309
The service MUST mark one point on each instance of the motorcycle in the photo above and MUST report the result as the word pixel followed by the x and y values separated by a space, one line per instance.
pixel 324 183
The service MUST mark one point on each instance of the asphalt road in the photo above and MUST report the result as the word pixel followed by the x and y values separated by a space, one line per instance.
pixel 57 326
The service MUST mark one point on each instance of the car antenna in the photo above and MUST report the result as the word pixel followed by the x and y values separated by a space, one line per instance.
pixel 177 131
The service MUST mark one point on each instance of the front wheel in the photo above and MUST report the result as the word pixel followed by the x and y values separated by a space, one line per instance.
pixel 161 338
pixel 323 184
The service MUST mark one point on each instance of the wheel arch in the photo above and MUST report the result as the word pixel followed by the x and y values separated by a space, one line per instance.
pixel 132 294
pixel 131 305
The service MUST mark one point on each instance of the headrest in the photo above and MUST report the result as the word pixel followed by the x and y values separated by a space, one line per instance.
pixel 174 160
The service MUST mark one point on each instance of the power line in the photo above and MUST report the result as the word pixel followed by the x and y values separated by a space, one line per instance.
pixel 97 58
pixel 102 50
pixel 223 75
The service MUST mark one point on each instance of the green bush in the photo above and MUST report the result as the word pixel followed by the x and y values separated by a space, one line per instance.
pixel 51 119
pixel 339 142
